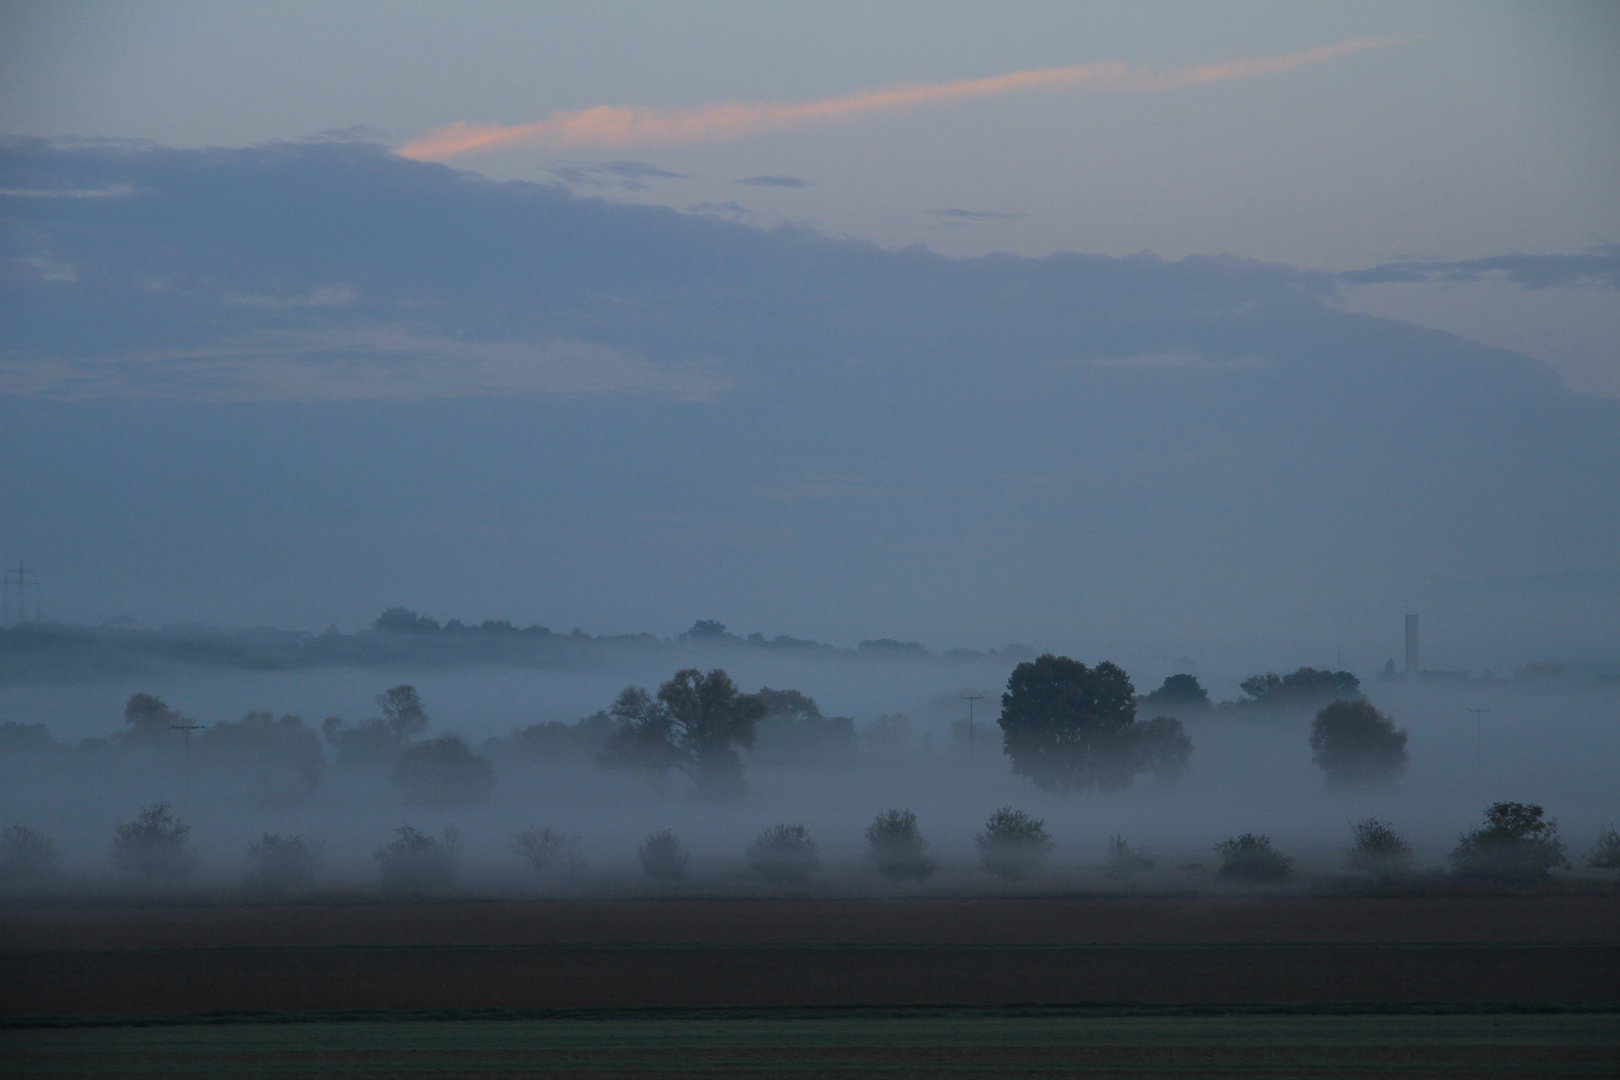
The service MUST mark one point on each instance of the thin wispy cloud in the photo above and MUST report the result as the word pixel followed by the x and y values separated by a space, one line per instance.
pixel 637 125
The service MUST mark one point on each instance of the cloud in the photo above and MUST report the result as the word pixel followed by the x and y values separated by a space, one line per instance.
pixel 111 191
pixel 372 364
pixel 977 215
pixel 630 175
pixel 638 125
pixel 773 181
pixel 1598 266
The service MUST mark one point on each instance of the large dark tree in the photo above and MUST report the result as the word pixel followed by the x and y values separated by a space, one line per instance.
pixel 1355 745
pixel 695 724
pixel 1069 727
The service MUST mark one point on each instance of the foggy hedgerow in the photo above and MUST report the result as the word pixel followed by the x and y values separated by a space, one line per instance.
pixel 1355 745
pixel 1517 845
pixel 1377 849
pixel 414 861
pixel 155 845
pixel 27 856
pixel 1252 858
pixel 279 863
pixel 783 853
pixel 663 856
pixel 897 848
pixel 443 771
pixel 1013 844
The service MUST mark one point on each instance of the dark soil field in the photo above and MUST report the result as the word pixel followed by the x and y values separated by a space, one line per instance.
pixel 1562 949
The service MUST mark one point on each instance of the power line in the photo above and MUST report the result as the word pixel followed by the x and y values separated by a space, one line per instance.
pixel 970 697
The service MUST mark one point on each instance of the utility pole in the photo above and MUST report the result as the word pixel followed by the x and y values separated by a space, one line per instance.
pixel 188 729
pixel 970 697
pixel 20 578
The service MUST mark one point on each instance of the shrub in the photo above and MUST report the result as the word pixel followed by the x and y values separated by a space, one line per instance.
pixel 897 848
pixel 1252 858
pixel 27 856
pixel 1378 850
pixel 1124 860
pixel 156 845
pixel 663 857
pixel 279 863
pixel 414 861
pixel 540 847
pixel 1355 745
pixel 783 853
pixel 1013 844
pixel 1515 845
pixel 443 771
pixel 1606 852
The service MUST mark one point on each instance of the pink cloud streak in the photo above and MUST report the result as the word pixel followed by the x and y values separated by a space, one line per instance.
pixel 636 125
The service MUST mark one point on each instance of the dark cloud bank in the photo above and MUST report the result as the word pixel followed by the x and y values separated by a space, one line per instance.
pixel 301 383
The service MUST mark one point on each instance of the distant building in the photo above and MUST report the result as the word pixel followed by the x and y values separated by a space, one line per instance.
pixel 1413 665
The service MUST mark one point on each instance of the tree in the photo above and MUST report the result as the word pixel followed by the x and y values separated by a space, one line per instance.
pixel 283 756
pixel 792 731
pixel 379 741
pixel 402 620
pixel 1517 844
pixel 1377 850
pixel 1299 689
pixel 1070 728
pixel 1178 695
pixel 1355 745
pixel 783 853
pixel 695 725
pixel 443 771
pixel 1252 858
pixel 897 848
pixel 662 856
pixel 1013 844
pixel 149 720
pixel 156 845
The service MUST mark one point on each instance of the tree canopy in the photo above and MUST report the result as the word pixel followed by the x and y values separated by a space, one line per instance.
pixel 1070 727
pixel 695 725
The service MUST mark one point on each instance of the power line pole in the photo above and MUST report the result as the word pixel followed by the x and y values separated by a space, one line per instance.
pixel 20 579
pixel 970 697
pixel 188 729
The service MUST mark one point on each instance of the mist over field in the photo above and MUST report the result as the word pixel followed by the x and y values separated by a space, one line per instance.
pixel 1546 740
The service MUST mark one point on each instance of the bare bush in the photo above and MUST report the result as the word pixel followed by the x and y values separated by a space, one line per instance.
pixel 1606 852
pixel 278 864
pixel 542 848
pixel 1252 858
pixel 1516 845
pixel 897 848
pixel 663 857
pixel 783 853
pixel 1013 845
pixel 27 857
pixel 1377 850
pixel 414 861
pixel 155 846
pixel 1125 861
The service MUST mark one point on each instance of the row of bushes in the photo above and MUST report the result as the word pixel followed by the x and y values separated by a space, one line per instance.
pixel 1517 843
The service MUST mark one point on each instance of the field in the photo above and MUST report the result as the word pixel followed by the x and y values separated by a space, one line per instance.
pixel 1445 985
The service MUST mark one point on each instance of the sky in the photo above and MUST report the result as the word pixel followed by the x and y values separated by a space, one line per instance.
pixel 966 322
